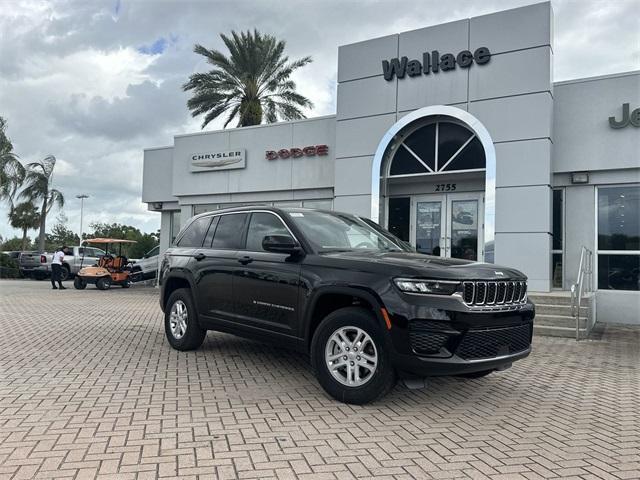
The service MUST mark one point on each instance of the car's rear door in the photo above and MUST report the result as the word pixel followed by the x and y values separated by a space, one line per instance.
pixel 266 283
pixel 214 263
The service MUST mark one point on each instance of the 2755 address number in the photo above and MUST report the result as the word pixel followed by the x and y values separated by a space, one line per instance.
pixel 445 187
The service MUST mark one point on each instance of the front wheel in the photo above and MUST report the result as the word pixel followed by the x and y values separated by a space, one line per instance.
pixel 349 357
pixel 126 284
pixel 79 283
pixel 103 283
pixel 181 322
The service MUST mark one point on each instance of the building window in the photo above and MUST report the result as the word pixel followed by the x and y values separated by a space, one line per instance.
pixel 437 148
pixel 558 232
pixel 399 217
pixel 618 239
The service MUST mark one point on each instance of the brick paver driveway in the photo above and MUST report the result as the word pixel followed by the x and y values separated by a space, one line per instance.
pixel 89 387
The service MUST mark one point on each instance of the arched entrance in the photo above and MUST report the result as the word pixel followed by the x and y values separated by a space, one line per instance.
pixel 433 183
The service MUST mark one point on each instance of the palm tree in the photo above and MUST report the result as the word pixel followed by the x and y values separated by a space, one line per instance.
pixel 252 81
pixel 38 189
pixel 11 170
pixel 24 216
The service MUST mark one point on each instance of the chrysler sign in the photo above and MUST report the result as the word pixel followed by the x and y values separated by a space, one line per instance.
pixel 209 161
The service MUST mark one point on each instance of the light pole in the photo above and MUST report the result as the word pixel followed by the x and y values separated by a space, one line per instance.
pixel 81 197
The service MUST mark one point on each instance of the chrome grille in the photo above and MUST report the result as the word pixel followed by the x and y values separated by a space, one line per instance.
pixel 494 293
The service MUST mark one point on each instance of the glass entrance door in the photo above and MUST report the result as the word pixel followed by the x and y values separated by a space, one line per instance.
pixel 448 225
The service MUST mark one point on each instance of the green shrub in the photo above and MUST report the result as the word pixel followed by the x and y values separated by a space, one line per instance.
pixel 9 267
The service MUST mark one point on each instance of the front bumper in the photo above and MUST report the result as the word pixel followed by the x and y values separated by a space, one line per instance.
pixel 441 336
pixel 37 269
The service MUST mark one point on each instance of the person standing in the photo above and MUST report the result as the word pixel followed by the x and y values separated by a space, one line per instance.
pixel 56 268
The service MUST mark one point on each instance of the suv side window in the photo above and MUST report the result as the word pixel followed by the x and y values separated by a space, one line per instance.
pixel 193 236
pixel 261 225
pixel 212 230
pixel 153 252
pixel 229 231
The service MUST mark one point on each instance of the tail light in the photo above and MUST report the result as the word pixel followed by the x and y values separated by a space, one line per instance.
pixel 43 259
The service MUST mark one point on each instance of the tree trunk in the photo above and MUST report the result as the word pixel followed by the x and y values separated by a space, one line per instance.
pixel 24 239
pixel 43 224
pixel 251 113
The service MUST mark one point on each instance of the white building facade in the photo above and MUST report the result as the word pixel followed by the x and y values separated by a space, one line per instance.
pixel 456 139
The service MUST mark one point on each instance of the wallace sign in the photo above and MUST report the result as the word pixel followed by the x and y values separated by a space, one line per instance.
pixel 433 63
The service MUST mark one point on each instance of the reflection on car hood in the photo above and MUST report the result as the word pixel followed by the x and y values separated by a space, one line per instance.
pixel 438 267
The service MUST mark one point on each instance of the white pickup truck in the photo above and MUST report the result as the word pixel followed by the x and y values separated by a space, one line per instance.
pixel 38 265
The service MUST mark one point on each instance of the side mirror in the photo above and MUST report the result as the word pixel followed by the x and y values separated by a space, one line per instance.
pixel 280 244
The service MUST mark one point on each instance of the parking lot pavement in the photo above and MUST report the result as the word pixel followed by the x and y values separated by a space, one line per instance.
pixel 90 388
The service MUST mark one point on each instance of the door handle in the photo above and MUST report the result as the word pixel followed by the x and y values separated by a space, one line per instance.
pixel 199 256
pixel 245 260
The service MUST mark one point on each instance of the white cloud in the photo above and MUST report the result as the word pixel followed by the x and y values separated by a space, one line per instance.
pixel 74 82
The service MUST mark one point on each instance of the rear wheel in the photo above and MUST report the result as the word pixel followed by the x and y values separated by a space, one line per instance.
pixel 103 283
pixel 79 283
pixel 349 357
pixel 65 273
pixel 181 321
pixel 126 284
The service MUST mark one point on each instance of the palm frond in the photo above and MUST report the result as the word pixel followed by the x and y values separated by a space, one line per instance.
pixel 251 82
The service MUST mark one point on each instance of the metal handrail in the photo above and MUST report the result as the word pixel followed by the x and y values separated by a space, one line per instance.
pixel 580 288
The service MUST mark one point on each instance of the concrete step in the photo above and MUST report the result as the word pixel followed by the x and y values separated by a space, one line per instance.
pixel 561 298
pixel 550 309
pixel 555 320
pixel 551 331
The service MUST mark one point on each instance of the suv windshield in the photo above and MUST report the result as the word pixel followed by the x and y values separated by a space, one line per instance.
pixel 330 232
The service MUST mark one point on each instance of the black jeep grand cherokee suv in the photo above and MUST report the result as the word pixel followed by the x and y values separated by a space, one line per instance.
pixel 340 288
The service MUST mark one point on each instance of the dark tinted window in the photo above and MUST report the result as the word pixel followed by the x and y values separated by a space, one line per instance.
pixel 618 272
pixel 619 218
pixel 195 232
pixel 261 225
pixel 399 213
pixel 212 230
pixel 450 138
pixel 422 143
pixel 557 219
pixel 472 156
pixel 229 231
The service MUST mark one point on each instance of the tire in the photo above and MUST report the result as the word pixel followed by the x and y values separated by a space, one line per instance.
pixel 79 283
pixel 352 322
pixel 65 273
pixel 182 329
pixel 103 283
pixel 481 374
pixel 126 284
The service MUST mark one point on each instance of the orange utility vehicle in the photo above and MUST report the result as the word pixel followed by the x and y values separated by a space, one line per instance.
pixel 110 269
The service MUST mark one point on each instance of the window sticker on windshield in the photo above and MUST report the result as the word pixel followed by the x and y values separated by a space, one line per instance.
pixel 296 214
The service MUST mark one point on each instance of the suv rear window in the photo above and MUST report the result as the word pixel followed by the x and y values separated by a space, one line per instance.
pixel 229 231
pixel 194 234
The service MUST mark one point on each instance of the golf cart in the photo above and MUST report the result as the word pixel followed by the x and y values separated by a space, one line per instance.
pixel 110 269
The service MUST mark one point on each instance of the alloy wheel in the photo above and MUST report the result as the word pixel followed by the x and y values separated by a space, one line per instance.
pixel 178 319
pixel 351 356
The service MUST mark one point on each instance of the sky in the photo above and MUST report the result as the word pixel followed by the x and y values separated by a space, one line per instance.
pixel 96 82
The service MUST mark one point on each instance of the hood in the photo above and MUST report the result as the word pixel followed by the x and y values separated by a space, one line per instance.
pixel 420 265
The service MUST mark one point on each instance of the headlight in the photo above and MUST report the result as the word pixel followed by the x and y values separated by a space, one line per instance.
pixel 436 287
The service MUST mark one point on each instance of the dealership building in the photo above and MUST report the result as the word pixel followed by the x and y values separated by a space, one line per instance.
pixel 455 138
